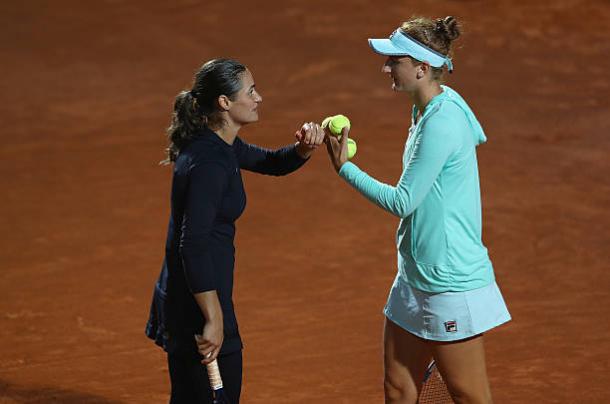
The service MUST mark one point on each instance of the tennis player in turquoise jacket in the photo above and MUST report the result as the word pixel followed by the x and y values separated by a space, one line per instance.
pixel 437 198
pixel 444 296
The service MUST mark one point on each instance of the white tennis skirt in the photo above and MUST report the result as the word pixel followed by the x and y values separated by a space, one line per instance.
pixel 446 316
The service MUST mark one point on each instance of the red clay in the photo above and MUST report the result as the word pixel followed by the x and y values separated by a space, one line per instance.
pixel 87 92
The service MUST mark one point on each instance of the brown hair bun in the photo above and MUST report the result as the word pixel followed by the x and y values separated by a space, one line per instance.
pixel 448 27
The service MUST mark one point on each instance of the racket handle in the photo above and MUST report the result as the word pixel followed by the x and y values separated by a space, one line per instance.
pixel 216 383
pixel 214 375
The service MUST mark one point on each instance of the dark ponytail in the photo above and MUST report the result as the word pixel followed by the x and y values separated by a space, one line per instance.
pixel 197 108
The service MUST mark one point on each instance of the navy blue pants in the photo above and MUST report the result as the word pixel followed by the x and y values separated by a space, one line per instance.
pixel 189 378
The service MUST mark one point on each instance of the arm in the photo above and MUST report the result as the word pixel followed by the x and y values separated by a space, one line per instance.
pixel 431 151
pixel 264 161
pixel 210 342
pixel 207 183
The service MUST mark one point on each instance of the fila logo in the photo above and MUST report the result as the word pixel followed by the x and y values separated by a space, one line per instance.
pixel 451 326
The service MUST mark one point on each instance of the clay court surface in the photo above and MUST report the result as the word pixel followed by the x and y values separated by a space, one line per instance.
pixel 87 89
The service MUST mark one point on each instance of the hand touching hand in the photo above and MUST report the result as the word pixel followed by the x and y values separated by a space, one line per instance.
pixel 309 137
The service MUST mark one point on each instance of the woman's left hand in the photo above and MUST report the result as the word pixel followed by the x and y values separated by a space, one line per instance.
pixel 309 137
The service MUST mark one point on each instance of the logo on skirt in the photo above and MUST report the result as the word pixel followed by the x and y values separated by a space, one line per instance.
pixel 451 326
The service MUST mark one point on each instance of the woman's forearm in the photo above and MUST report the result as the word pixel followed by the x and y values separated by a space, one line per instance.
pixel 395 200
pixel 209 305
pixel 303 150
pixel 276 162
pixel 210 340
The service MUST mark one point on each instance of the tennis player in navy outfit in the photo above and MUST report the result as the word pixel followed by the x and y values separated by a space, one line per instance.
pixel 192 315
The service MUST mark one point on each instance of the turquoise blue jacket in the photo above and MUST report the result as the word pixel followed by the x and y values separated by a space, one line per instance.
pixel 437 198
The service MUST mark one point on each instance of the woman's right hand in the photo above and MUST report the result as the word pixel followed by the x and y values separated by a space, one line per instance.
pixel 209 343
pixel 309 137
pixel 337 149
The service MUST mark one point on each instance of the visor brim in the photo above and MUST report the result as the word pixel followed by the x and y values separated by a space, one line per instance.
pixel 386 47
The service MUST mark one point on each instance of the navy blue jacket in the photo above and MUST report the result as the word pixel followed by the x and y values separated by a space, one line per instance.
pixel 207 198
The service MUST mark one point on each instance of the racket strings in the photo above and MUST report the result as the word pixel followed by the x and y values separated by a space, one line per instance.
pixel 434 390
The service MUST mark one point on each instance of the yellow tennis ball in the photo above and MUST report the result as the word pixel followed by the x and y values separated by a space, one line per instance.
pixel 326 121
pixel 352 147
pixel 337 123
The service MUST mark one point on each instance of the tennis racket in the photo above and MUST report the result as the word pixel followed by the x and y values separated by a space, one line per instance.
pixel 216 383
pixel 434 390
